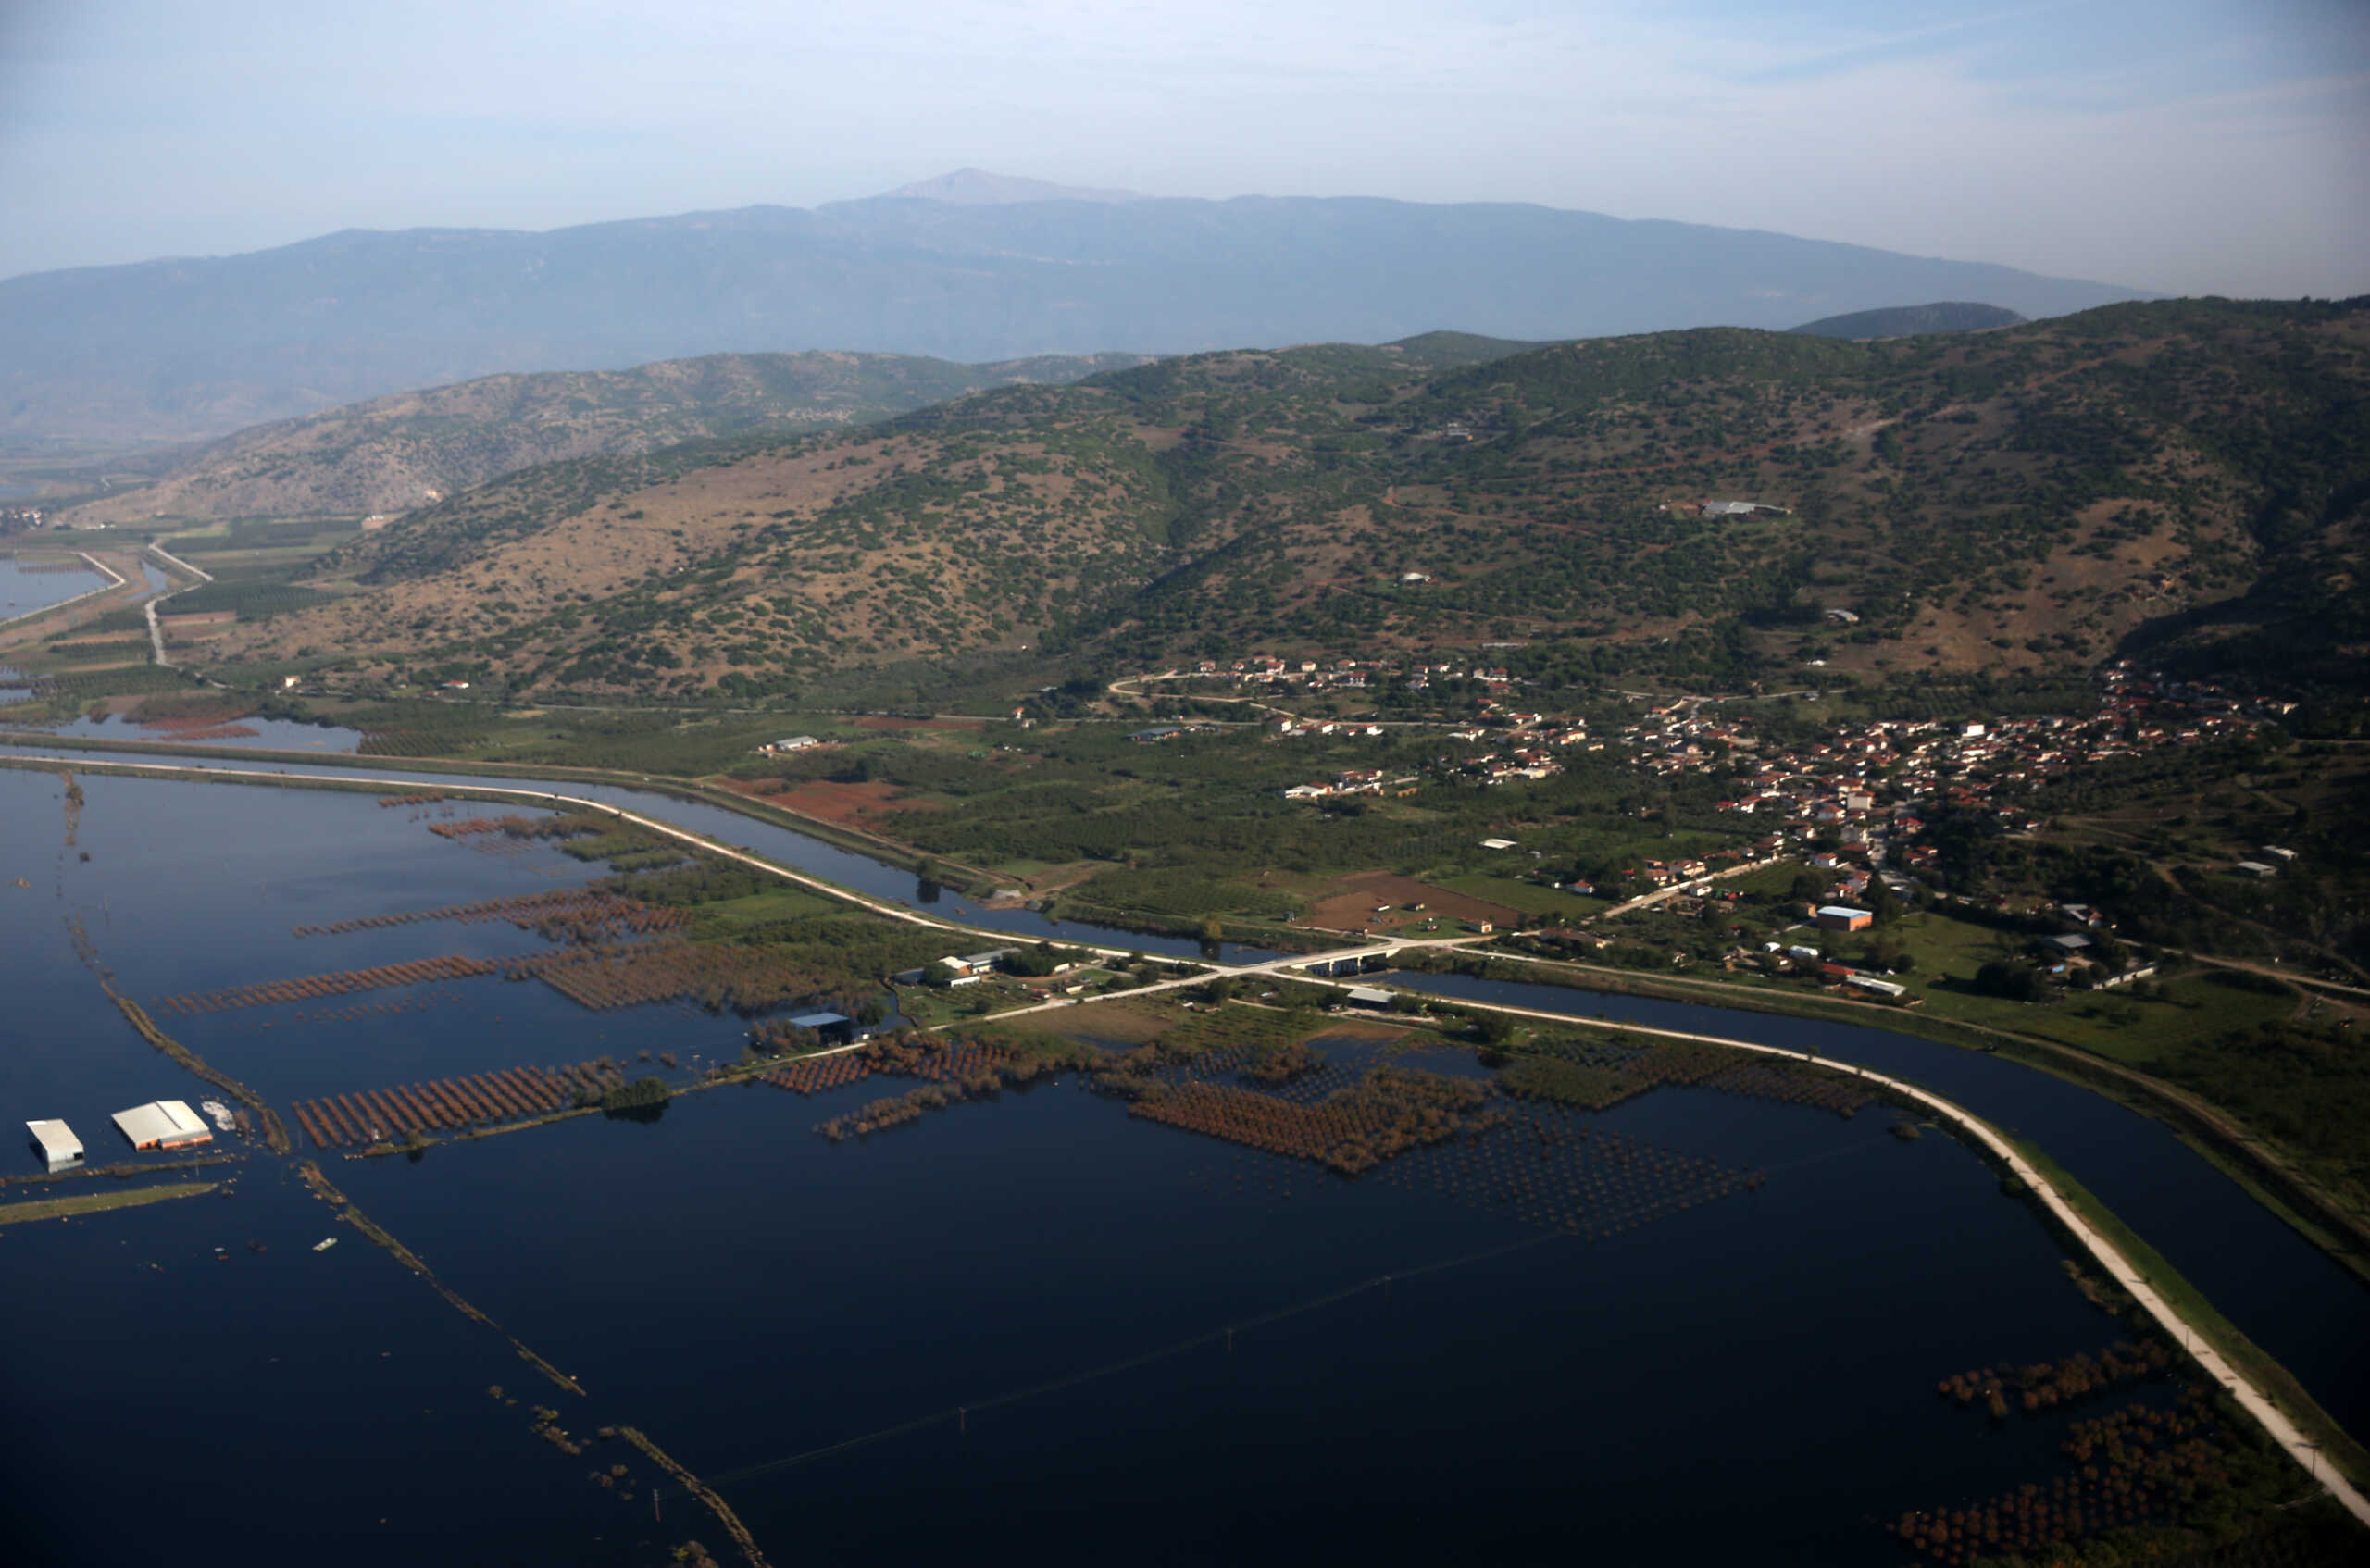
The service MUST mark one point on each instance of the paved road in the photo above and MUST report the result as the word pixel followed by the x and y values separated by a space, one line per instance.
pixel 1658 895
pixel 148 609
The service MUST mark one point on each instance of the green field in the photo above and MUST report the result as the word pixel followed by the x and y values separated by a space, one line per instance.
pixel 729 915
pixel 1531 898
pixel 2128 1028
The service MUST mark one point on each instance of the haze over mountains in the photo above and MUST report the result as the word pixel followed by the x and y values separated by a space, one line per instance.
pixel 971 267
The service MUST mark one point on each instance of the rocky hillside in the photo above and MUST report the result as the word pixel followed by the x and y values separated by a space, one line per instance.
pixel 1720 505
pixel 394 454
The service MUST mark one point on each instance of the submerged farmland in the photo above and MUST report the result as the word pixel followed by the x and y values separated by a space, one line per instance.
pixel 1240 1240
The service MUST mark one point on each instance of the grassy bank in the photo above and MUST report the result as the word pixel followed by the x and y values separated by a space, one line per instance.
pixel 2338 1450
pixel 94 1202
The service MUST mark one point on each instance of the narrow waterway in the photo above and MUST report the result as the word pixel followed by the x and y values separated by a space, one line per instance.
pixel 790 847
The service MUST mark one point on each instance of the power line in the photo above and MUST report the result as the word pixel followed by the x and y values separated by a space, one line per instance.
pixel 960 1414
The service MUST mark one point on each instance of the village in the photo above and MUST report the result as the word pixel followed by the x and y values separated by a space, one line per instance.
pixel 1852 805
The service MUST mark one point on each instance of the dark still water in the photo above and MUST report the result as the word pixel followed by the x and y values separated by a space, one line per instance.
pixel 2283 1291
pixel 1002 1328
pixel 784 845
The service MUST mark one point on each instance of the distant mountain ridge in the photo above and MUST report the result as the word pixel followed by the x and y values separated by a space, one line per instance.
pixel 413 449
pixel 197 347
pixel 1909 320
pixel 977 187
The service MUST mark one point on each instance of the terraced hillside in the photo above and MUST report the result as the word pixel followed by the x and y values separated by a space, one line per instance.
pixel 2190 473
pixel 413 449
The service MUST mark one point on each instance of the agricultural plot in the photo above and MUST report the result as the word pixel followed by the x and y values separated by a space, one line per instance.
pixel 451 1104
pixel 935 1061
pixel 317 988
pixel 1596 1075
pixel 747 980
pixel 2141 1465
pixel 1184 893
pixel 575 913
pixel 1350 1130
pixel 1530 898
pixel 1552 1167
pixel 1546 1164
pixel 1383 896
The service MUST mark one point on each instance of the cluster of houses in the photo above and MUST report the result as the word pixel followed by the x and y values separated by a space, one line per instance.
pixel 1346 674
pixel 1353 781
pixel 1289 727
pixel 1266 669
pixel 1860 774
pixel 963 969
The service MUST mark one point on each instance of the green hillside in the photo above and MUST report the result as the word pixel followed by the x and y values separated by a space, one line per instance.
pixel 2174 476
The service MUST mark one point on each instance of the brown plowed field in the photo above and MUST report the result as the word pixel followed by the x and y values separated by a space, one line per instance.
pixel 851 805
pixel 1355 911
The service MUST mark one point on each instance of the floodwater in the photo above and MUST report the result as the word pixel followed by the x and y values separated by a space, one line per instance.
pixel 2287 1294
pixel 23 592
pixel 268 734
pixel 845 867
pixel 1006 1322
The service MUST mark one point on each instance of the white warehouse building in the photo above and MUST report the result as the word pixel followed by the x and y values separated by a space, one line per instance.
pixel 162 1124
pixel 55 1143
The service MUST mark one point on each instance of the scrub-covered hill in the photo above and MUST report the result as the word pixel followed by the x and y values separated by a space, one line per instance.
pixel 1718 503
pixel 413 449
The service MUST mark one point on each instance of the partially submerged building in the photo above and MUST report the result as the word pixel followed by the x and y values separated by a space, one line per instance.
pixel 163 1124
pixel 55 1143
pixel 838 1028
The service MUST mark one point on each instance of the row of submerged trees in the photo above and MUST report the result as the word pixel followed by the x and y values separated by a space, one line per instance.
pixel 2045 1385
pixel 344 982
pixel 2138 1467
pixel 379 1115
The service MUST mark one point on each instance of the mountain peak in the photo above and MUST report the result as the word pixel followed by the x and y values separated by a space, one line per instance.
pixel 977 187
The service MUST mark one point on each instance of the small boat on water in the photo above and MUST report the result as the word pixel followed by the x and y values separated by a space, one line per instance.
pixel 218 1113
pixel 324 1246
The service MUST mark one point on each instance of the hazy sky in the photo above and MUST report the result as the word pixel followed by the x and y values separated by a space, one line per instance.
pixel 2187 145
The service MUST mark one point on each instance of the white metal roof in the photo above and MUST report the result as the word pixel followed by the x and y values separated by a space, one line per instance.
pixel 56 1140
pixel 1369 996
pixel 160 1121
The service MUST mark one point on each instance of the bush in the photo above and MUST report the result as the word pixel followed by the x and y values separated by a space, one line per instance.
pixel 2017 982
